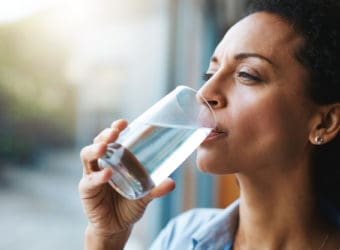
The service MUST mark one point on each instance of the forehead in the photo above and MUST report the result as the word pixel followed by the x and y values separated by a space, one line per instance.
pixel 263 33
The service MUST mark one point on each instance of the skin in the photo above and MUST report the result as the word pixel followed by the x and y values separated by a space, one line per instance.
pixel 266 125
pixel 256 114
pixel 265 134
pixel 110 216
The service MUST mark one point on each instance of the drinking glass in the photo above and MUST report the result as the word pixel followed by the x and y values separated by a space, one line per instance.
pixel 155 144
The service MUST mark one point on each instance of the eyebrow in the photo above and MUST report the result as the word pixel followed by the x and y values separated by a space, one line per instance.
pixel 241 56
pixel 247 55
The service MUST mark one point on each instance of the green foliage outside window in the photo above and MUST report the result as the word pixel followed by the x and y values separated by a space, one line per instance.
pixel 37 104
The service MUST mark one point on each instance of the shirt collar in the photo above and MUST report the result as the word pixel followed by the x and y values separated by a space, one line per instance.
pixel 220 231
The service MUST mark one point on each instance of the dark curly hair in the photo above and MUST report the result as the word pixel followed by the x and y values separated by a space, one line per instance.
pixel 318 21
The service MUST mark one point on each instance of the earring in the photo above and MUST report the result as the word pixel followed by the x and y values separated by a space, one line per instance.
pixel 318 140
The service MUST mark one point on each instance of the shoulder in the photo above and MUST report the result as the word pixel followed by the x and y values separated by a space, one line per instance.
pixel 194 218
pixel 179 230
pixel 199 228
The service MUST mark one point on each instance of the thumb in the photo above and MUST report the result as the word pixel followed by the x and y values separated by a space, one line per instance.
pixel 162 189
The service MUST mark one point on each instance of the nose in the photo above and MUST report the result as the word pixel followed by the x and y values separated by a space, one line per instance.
pixel 212 95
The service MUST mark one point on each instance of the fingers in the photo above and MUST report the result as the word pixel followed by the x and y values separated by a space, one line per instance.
pixel 162 189
pixel 107 135
pixel 120 124
pixel 89 156
pixel 91 184
pixel 111 134
pixel 91 153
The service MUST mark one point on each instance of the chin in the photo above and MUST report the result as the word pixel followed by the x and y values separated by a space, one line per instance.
pixel 207 160
pixel 201 161
pixel 205 165
pixel 208 163
pixel 202 168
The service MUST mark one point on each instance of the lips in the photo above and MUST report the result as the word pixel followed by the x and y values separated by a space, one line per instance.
pixel 214 134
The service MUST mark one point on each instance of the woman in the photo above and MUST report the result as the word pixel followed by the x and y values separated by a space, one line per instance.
pixel 273 82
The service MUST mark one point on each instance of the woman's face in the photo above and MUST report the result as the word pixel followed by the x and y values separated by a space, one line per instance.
pixel 256 87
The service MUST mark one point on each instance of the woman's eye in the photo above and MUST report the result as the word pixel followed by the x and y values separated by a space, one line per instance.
pixel 207 76
pixel 249 77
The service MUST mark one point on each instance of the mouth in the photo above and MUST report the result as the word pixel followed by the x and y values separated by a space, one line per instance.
pixel 215 134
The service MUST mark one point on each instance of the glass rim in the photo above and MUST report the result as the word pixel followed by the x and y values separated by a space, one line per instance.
pixel 204 100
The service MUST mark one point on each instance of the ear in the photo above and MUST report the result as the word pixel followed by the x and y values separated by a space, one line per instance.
pixel 326 124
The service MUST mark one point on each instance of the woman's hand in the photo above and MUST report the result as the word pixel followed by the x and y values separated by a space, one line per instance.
pixel 110 214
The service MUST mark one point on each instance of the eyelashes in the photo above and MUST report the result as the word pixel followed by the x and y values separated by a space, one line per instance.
pixel 242 75
pixel 206 76
pixel 249 77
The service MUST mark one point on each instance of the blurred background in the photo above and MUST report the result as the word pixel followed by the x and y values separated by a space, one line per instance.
pixel 67 70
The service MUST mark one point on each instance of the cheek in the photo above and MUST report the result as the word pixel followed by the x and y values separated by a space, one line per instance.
pixel 263 111
pixel 251 118
pixel 262 130
pixel 259 121
pixel 272 129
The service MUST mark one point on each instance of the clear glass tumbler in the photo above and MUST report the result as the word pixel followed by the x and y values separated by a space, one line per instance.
pixel 155 144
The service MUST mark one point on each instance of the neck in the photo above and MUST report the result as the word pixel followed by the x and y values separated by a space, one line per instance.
pixel 278 211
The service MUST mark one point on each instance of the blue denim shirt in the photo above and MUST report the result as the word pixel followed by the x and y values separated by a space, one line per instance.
pixel 198 229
